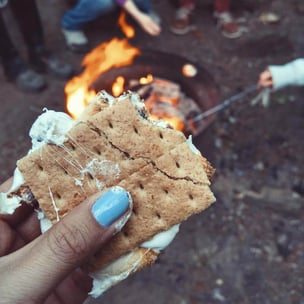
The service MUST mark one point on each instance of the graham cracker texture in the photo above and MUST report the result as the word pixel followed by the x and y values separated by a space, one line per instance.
pixel 114 143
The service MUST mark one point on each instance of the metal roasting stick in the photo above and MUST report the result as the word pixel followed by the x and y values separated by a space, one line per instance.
pixel 227 102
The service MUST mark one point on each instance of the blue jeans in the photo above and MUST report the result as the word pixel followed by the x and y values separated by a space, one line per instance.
pixel 88 10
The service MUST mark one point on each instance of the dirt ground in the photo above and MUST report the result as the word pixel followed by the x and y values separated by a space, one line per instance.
pixel 249 246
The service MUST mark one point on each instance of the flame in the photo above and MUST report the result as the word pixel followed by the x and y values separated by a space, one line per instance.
pixel 127 29
pixel 108 55
pixel 175 122
pixel 118 86
pixel 146 80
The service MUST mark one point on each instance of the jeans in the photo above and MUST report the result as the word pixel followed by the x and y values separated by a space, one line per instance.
pixel 88 10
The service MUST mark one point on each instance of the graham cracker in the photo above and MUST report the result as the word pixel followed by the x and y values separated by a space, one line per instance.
pixel 114 143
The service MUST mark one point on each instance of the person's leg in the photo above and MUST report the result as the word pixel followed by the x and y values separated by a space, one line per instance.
pixel 187 3
pixel 74 19
pixel 85 11
pixel 8 52
pixel 15 68
pixel 221 6
pixel 226 23
pixel 28 18
pixel 143 5
pixel 181 23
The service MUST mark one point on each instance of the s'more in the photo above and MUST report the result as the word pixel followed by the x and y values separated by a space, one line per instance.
pixel 115 143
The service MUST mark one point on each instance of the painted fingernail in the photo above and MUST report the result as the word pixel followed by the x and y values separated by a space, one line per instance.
pixel 111 206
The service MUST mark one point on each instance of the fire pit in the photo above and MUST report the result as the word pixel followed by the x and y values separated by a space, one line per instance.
pixel 175 89
pixel 181 85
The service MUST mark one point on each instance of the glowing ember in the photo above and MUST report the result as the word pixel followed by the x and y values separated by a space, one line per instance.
pixel 175 122
pixel 113 54
pixel 189 70
pixel 145 80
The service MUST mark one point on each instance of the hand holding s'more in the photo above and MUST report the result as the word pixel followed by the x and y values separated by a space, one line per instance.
pixel 114 176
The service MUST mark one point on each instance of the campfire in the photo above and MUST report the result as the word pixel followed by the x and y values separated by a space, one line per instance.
pixel 174 89
pixel 104 57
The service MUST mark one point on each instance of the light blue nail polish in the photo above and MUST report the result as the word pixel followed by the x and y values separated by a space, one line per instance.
pixel 111 206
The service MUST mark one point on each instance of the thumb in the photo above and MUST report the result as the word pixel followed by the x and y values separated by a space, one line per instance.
pixel 70 242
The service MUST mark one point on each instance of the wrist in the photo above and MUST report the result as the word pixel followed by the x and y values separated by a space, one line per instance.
pixel 132 9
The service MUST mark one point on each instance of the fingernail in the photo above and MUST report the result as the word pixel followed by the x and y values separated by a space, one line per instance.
pixel 111 206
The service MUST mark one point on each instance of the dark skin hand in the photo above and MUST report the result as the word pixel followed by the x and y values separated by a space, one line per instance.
pixel 44 268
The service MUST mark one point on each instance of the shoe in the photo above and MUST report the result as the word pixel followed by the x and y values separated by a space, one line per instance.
pixel 26 79
pixel 30 81
pixel 44 61
pixel 228 25
pixel 181 23
pixel 76 41
pixel 3 3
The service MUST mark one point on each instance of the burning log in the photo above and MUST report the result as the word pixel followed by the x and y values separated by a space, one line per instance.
pixel 165 100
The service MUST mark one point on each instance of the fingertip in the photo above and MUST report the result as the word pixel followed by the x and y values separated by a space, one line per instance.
pixel 111 206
